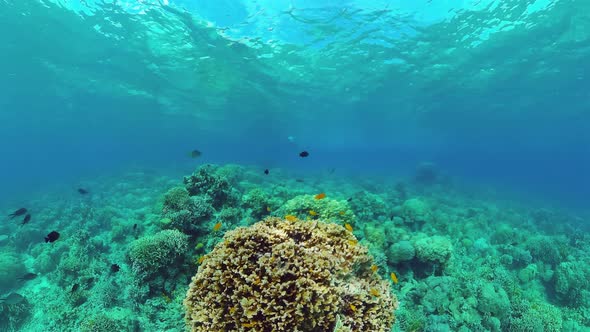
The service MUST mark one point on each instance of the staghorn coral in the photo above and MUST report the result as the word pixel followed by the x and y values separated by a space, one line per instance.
pixel 279 275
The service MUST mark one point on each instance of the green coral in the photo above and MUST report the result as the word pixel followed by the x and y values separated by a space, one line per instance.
pixel 258 202
pixel 415 210
pixel 400 252
pixel 433 249
pixel 186 213
pixel 493 300
pixel 101 323
pixel 328 209
pixel 157 253
pixel 11 268
pixel 571 280
pixel 176 199
pixel 535 317
pixel 368 206
pixel 216 187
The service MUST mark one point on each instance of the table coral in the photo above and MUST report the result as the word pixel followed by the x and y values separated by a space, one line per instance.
pixel 279 275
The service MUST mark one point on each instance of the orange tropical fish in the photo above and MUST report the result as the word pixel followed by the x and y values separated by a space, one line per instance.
pixel 393 277
pixel 320 196
pixel 217 226
pixel 313 213
pixel 374 268
pixel 375 292
pixel 290 217
pixel 348 227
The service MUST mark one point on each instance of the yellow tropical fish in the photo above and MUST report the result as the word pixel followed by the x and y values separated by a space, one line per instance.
pixel 248 324
pixel 290 217
pixel 268 209
pixel 217 226
pixel 341 213
pixel 313 213
pixel 353 242
pixel 393 278
pixel 348 227
pixel 201 259
pixel 320 196
pixel 375 292
pixel 374 268
pixel 352 307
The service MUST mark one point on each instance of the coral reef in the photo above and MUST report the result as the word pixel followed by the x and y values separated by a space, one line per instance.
pixel 279 275
pixel 435 249
pixel 258 202
pixel 326 209
pixel 400 252
pixel 11 268
pixel 186 213
pixel 205 181
pixel 156 254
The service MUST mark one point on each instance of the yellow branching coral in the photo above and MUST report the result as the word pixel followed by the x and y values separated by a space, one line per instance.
pixel 279 275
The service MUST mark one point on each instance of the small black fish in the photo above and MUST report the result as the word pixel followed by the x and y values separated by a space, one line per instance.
pixel 17 213
pixel 266 171
pixel 52 237
pixel 332 170
pixel 298 180
pixel 82 191
pixel 303 154
pixel 115 268
pixel 349 199
pixel 391 218
pixel 26 219
pixel 27 277
pixel 74 288
pixel 13 298
pixel 134 226
pixel 196 153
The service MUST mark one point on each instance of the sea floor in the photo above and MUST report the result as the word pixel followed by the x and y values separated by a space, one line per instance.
pixel 465 260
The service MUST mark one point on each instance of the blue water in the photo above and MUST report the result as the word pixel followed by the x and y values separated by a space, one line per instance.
pixel 494 93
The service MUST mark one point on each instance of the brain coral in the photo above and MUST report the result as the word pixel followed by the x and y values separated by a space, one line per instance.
pixel 279 275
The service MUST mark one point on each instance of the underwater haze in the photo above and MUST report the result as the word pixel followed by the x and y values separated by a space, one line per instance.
pixel 454 136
